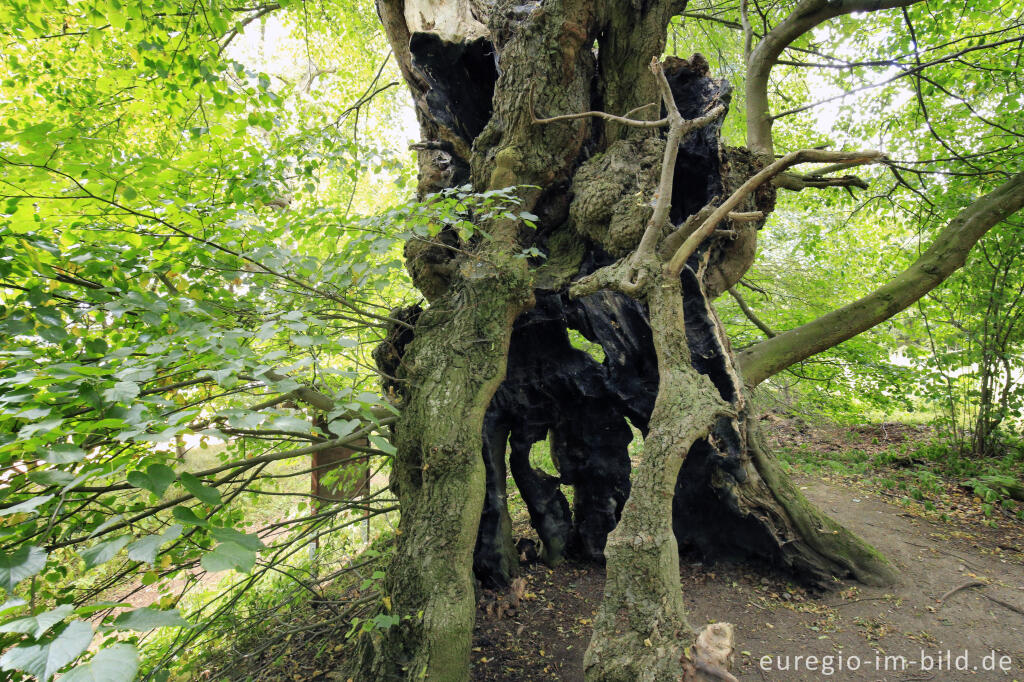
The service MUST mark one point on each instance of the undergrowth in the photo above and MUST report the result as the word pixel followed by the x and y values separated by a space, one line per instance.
pixel 924 472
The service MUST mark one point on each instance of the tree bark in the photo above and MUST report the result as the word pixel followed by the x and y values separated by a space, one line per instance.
pixel 453 368
pixel 480 130
pixel 641 631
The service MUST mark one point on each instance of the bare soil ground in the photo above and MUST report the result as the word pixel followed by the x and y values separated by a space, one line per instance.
pixel 905 632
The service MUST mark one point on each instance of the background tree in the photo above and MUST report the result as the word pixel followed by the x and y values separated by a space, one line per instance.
pixel 183 262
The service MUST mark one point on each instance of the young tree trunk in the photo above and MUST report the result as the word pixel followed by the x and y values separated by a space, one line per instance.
pixel 641 631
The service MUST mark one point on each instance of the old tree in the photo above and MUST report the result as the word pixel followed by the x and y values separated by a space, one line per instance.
pixel 643 217
pixel 193 311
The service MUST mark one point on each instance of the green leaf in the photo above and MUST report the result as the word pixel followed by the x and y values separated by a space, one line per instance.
pixel 84 611
pixel 24 562
pixel 118 663
pixel 64 453
pixel 247 540
pixel 104 551
pixel 122 391
pixel 292 424
pixel 161 477
pixel 26 506
pixel 11 604
pixel 383 445
pixel 227 556
pixel 45 659
pixel 37 626
pixel 145 549
pixel 187 516
pixel 202 493
pixel 51 477
pixel 142 620
pixel 140 480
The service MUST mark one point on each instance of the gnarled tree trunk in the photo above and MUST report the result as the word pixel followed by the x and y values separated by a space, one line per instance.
pixel 470 381
pixel 477 125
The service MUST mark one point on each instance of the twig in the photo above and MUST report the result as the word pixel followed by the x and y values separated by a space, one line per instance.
pixel 749 313
pixel 660 123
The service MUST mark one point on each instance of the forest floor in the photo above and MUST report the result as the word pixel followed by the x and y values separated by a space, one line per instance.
pixel 940 535
pixel 957 614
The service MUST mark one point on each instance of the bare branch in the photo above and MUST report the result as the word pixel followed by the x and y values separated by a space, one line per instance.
pixel 750 314
pixel 904 72
pixel 679 128
pixel 796 183
pixel 746 216
pixel 627 275
pixel 660 123
pixel 617 277
pixel 240 26
pixel 678 260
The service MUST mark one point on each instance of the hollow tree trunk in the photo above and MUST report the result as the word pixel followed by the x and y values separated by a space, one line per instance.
pixel 477 127
pixel 731 499
pixel 480 72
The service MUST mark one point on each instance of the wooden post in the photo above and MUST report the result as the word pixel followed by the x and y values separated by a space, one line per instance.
pixel 354 477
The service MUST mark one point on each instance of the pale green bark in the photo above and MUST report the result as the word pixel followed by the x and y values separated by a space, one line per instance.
pixel 641 632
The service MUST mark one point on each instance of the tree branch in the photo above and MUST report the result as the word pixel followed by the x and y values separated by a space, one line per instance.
pixel 679 129
pixel 624 120
pixel 627 275
pixel 683 253
pixel 750 315
pixel 807 15
pixel 946 254
pixel 796 183
pixel 748 33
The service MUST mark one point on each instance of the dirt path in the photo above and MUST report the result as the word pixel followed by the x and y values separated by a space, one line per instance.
pixel 891 634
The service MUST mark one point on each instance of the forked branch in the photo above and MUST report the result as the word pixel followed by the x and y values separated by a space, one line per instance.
pixel 628 274
pixel 678 129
